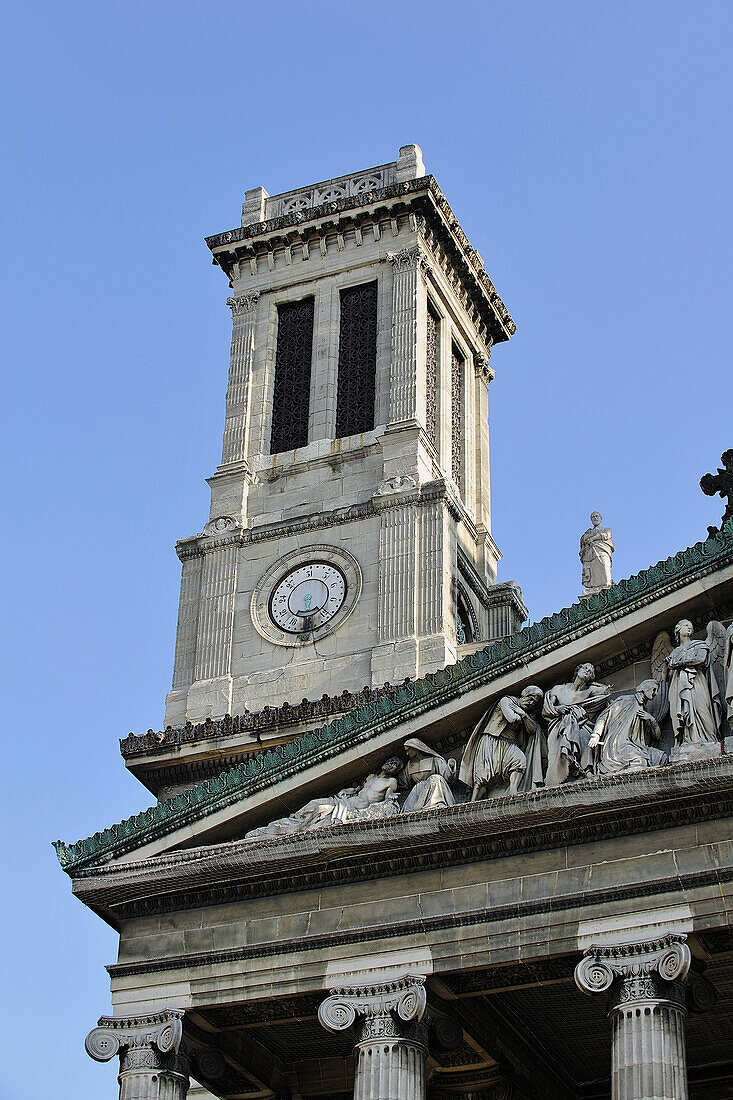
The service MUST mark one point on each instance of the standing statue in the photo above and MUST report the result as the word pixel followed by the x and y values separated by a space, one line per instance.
pixel 504 754
pixel 621 735
pixel 571 710
pixel 728 667
pixel 428 774
pixel 376 796
pixel 596 551
pixel 694 695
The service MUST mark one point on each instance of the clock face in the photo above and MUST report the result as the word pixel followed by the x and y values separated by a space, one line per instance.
pixel 308 597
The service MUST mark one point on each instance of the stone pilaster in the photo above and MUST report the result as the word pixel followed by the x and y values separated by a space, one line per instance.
pixel 244 309
pixel 391 1045
pixel 218 583
pixel 645 983
pixel 409 264
pixel 153 1066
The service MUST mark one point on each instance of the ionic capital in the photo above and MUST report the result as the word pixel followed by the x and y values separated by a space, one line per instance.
pixel 653 970
pixel 143 1042
pixel 389 1010
pixel 244 303
pixel 407 259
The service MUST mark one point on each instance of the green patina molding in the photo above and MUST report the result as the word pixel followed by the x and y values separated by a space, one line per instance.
pixel 404 702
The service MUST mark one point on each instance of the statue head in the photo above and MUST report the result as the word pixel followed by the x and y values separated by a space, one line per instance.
pixel 648 688
pixel 683 631
pixel 531 697
pixel 585 672
pixel 596 519
pixel 393 765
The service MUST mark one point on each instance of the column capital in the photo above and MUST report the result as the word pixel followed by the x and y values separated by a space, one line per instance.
pixel 388 1009
pixel 407 259
pixel 148 1042
pixel 244 303
pixel 482 366
pixel 651 970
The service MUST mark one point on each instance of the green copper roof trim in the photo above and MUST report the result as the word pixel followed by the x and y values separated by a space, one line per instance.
pixel 409 700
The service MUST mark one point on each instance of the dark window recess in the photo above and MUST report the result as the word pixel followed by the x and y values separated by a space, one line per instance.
pixel 291 396
pixel 457 417
pixel 357 360
pixel 431 379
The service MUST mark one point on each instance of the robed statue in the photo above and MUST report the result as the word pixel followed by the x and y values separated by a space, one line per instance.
pixel 505 753
pixel 570 711
pixel 694 695
pixel 623 734
pixel 375 796
pixel 596 551
pixel 428 776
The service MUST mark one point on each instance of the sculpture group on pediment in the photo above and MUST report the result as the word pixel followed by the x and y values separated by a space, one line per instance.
pixel 570 711
pixel 694 672
pixel 539 739
pixel 506 753
pixel 375 796
pixel 623 735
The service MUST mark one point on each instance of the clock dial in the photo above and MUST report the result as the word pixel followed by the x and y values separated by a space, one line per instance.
pixel 308 597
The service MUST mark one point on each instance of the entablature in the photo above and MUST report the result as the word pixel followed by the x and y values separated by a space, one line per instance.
pixel 419 198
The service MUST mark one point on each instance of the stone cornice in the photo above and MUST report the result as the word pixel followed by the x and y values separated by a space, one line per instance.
pixel 489 595
pixel 579 813
pixel 211 539
pixel 228 246
pixel 515 911
pixel 476 670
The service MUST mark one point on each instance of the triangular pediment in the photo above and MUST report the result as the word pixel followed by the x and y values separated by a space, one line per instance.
pixel 438 709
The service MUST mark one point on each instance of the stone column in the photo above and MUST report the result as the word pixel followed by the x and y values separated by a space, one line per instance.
pixel 391 1046
pixel 152 1064
pixel 646 1006
pixel 244 308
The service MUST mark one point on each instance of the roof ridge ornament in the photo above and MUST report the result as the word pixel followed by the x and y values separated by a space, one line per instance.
pixel 720 484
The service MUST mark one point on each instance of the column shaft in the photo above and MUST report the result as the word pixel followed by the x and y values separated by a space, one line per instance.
pixel 391 1069
pixel 648 1053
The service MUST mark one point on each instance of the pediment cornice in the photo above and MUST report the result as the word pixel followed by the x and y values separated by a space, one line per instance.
pixel 589 811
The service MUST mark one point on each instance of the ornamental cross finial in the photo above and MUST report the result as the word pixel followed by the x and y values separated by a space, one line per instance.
pixel 721 484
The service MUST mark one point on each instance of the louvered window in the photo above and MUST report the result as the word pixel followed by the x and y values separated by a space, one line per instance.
pixel 291 397
pixel 431 376
pixel 457 417
pixel 357 360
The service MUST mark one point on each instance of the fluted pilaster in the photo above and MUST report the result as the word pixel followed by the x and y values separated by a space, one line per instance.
pixel 244 309
pixel 153 1066
pixel 216 614
pixel 409 264
pixel 646 1006
pixel 391 1044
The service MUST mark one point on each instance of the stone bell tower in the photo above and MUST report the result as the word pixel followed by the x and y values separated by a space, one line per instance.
pixel 349 540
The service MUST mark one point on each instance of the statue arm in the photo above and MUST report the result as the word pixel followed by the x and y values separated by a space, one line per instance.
pixel 511 711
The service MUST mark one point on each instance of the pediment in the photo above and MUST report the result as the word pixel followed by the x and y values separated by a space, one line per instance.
pixel 614 627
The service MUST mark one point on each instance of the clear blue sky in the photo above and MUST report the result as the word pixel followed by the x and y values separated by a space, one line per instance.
pixel 586 149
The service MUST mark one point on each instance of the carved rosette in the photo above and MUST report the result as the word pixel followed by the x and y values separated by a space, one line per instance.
pixel 153 1064
pixel 391 1045
pixel 645 983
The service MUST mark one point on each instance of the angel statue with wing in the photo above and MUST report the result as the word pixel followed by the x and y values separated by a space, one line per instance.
pixel 728 670
pixel 692 672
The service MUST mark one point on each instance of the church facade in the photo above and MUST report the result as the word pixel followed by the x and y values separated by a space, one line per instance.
pixel 404 847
